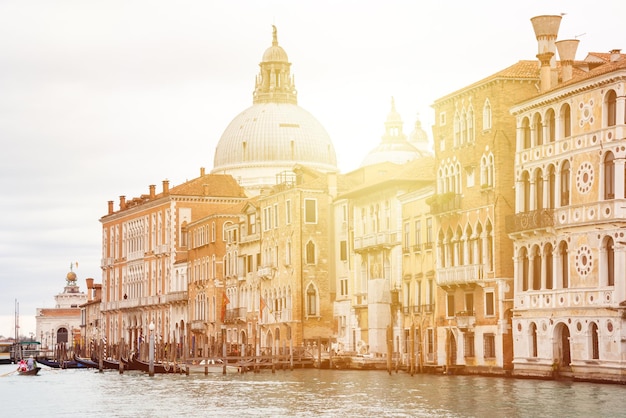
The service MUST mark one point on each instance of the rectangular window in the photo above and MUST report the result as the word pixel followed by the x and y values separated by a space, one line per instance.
pixel 442 118
pixel 469 345
pixel 430 345
pixel 469 304
pixel 249 266
pixel 450 306
pixel 418 233
pixel 251 224
pixel 489 304
pixel 344 287
pixel 310 211
pixel 406 236
pixel 343 250
pixel 288 212
pixel 275 215
pixel 429 232
pixel 490 345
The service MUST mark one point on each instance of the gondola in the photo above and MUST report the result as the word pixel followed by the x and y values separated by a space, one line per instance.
pixel 89 363
pixel 160 368
pixel 66 364
pixel 31 372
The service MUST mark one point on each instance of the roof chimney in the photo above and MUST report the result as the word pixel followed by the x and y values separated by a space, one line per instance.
pixel 202 173
pixel 89 288
pixel 122 202
pixel 615 54
pixel 166 187
pixel 546 29
pixel 152 191
pixel 567 53
pixel 111 210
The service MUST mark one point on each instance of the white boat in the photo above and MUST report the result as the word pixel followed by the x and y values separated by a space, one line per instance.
pixel 212 366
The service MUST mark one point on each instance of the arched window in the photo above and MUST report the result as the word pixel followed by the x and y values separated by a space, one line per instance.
pixel 536 268
pixel 609 260
pixel 310 253
pixel 470 125
pixel 549 265
pixel 532 330
pixel 311 300
pixel 486 115
pixel 564 265
pixel 610 101
pixel 565 183
pixel 609 176
pixel 566 121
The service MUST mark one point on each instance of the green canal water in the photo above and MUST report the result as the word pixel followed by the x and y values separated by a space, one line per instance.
pixel 301 393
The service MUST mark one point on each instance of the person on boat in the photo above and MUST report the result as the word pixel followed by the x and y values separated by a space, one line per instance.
pixel 22 365
pixel 30 363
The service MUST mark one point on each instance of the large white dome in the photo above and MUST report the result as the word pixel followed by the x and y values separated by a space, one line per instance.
pixel 268 138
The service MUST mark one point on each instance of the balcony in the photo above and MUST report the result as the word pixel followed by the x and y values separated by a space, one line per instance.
pixel 180 296
pixel 234 315
pixel 444 202
pixel 460 275
pixel 527 221
pixel 266 272
pixel 380 239
pixel 198 325
pixel 465 319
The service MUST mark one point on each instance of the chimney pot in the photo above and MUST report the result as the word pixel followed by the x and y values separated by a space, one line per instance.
pixel 152 191
pixel 615 54
pixel 122 202
pixel 166 187
pixel 111 210
pixel 202 172
pixel 546 29
pixel 567 53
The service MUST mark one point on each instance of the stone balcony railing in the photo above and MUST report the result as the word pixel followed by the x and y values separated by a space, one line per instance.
pixel 379 239
pixel 531 220
pixel 460 275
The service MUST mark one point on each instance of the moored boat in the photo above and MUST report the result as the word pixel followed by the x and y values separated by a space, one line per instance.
pixel 86 362
pixel 135 364
pixel 65 364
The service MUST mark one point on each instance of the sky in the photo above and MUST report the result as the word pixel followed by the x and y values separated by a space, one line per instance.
pixel 100 99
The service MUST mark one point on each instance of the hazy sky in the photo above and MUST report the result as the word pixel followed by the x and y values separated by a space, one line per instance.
pixel 103 98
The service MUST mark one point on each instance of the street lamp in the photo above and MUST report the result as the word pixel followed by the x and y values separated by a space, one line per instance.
pixel 151 350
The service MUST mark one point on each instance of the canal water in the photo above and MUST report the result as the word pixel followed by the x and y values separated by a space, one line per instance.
pixel 301 392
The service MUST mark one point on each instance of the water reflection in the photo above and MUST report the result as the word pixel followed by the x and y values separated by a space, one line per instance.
pixel 319 393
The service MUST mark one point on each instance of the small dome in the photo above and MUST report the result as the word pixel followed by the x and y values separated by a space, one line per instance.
pixel 419 139
pixel 275 53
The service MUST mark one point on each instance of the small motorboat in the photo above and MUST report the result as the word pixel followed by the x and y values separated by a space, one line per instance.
pixel 31 372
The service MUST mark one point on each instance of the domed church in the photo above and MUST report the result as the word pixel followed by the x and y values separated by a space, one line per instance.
pixel 274 134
